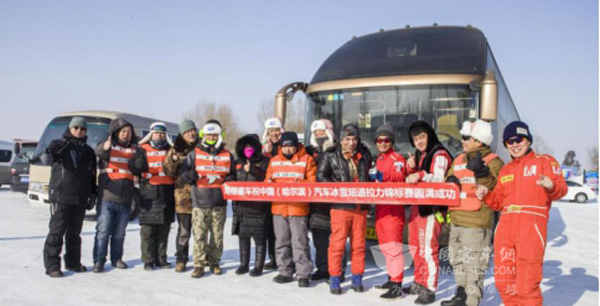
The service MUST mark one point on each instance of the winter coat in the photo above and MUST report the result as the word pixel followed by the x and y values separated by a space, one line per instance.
pixel 250 219
pixel 484 217
pixel 292 208
pixel 118 191
pixel 334 168
pixel 158 201
pixel 183 190
pixel 206 197
pixel 392 165
pixel 431 165
pixel 73 174
pixel 320 217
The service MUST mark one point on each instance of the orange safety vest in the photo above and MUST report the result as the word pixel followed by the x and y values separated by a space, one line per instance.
pixel 207 165
pixel 289 171
pixel 118 163
pixel 468 199
pixel 156 174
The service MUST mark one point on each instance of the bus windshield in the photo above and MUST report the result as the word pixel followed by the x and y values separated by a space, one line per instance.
pixel 26 153
pixel 445 107
pixel 97 130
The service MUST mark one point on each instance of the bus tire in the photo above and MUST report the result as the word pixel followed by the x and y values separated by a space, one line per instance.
pixel 135 206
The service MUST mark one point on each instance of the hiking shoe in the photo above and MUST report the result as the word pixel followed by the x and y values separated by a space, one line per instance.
pixel 426 297
pixel 303 283
pixel 280 279
pixel 163 264
pixel 414 288
pixel 198 272
pixel 120 264
pixel 270 265
pixel 459 299
pixel 98 267
pixel 256 271
pixel 242 270
pixel 394 292
pixel 319 275
pixel 216 270
pixel 180 267
pixel 385 286
pixel 149 266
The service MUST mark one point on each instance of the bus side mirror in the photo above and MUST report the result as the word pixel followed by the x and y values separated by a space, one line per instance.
pixel 286 94
pixel 488 109
pixel 17 149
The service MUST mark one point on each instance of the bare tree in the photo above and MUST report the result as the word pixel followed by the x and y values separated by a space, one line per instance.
pixel 593 154
pixel 205 110
pixel 294 118
pixel 540 146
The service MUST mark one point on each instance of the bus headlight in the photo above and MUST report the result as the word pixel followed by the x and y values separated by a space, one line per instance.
pixel 36 187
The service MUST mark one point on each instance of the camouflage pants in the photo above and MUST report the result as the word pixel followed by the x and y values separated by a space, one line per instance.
pixel 208 250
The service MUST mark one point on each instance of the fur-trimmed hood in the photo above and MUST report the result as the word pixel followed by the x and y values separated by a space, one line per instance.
pixel 254 142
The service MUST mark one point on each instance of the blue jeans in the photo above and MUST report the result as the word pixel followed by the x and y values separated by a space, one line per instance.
pixel 112 219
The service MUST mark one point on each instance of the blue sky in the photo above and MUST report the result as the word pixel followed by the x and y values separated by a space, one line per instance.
pixel 159 58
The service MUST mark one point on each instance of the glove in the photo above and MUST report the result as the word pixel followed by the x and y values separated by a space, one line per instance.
pixel 376 175
pixel 453 179
pixel 191 176
pixel 91 202
pixel 212 178
pixel 476 165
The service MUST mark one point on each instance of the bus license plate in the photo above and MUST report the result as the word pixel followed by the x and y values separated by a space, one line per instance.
pixel 24 179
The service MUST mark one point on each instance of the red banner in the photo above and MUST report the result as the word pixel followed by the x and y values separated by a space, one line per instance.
pixel 361 193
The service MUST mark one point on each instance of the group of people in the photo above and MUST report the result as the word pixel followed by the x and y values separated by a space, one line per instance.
pixel 182 179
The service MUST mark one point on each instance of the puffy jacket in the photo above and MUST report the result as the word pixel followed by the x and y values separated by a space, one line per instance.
pixel 250 219
pixel 73 174
pixel 518 192
pixel 201 196
pixel 334 168
pixel 119 191
pixel 320 217
pixel 158 199
pixel 482 218
pixel 183 190
pixel 310 169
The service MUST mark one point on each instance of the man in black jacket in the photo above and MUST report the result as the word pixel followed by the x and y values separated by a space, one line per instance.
pixel 348 161
pixel 72 190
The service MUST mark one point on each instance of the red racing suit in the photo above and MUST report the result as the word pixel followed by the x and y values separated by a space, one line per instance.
pixel 520 238
pixel 424 230
pixel 390 219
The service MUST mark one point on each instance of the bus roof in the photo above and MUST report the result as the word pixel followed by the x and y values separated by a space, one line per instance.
pixel 409 51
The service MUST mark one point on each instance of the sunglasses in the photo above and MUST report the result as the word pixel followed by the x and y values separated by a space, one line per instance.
pixel 467 138
pixel 516 139
pixel 79 128
pixel 383 140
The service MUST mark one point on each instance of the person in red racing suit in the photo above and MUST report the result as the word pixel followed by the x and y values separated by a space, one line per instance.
pixel 429 164
pixel 527 186
pixel 390 219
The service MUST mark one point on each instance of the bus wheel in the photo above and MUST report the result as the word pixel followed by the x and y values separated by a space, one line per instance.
pixel 135 206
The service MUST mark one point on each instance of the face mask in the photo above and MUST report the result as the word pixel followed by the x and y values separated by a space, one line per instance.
pixel 158 144
pixel 321 141
pixel 210 142
pixel 248 152
pixel 288 156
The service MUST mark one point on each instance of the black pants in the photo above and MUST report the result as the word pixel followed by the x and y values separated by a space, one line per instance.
pixel 154 242
pixel 270 238
pixel 65 220
pixel 182 241
pixel 321 243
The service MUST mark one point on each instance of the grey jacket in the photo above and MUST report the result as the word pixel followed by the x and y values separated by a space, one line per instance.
pixel 205 197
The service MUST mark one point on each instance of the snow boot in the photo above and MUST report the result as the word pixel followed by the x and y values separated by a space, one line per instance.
pixel 303 283
pixel 394 292
pixel 98 267
pixel 357 285
pixel 459 299
pixel 120 264
pixel 426 297
pixel 385 286
pixel 55 274
pixel 272 264
pixel 319 275
pixel 198 272
pixel 163 264
pixel 259 258
pixel 180 267
pixel 244 256
pixel 148 266
pixel 334 285
pixel 342 278
pixel 280 279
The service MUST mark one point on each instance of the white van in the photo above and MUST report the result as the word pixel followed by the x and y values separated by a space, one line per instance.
pixel 6 156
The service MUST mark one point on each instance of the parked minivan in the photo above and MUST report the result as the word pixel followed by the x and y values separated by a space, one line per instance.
pixel 22 156
pixel 6 154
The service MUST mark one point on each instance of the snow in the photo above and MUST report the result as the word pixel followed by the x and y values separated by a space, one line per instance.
pixel 570 269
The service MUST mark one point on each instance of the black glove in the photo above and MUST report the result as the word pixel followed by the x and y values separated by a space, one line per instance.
pixel 476 165
pixel 138 162
pixel 453 179
pixel 91 202
pixel 191 176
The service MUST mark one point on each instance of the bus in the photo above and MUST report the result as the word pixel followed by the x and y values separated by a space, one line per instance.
pixel 97 131
pixel 443 75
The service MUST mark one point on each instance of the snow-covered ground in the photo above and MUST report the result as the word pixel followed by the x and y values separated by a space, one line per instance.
pixel 570 269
